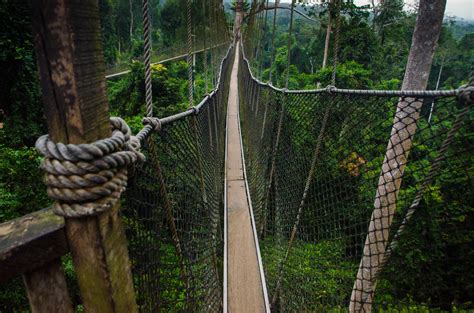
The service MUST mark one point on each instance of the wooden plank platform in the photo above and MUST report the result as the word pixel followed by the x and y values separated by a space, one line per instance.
pixel 245 289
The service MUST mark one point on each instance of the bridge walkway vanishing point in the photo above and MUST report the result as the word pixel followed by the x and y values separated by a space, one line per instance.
pixel 244 288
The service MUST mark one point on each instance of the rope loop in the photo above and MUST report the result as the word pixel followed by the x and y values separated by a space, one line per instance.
pixel 153 122
pixel 87 179
pixel 466 95
pixel 330 89
pixel 471 81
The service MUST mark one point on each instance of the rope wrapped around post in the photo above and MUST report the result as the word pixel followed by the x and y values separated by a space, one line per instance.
pixel 87 179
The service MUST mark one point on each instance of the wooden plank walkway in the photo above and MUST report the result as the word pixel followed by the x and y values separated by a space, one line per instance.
pixel 246 291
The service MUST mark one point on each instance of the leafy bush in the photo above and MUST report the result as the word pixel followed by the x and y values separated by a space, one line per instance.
pixel 21 188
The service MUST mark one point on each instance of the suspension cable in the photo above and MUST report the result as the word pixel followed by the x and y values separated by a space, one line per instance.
pixel 260 22
pixel 290 33
pixel 262 41
pixel 272 52
pixel 206 72
pixel 336 41
pixel 147 52
pixel 189 56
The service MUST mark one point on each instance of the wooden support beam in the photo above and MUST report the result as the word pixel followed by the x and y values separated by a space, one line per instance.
pixel 30 242
pixel 32 245
pixel 47 290
pixel 68 46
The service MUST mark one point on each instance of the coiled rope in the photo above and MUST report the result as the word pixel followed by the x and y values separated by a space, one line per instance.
pixel 87 179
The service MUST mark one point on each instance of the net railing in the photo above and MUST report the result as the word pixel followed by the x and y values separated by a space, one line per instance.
pixel 173 208
pixel 362 199
pixel 210 34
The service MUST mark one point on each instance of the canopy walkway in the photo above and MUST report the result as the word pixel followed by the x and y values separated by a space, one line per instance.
pixel 261 198
pixel 309 156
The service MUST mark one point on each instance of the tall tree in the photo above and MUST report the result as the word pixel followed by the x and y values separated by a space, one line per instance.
pixel 417 72
pixel 328 34
pixel 239 16
pixel 130 3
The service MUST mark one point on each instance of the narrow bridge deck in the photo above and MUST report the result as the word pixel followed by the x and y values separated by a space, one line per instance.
pixel 245 289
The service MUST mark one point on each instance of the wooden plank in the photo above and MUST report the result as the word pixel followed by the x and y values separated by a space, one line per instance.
pixel 30 242
pixel 69 51
pixel 47 290
pixel 245 288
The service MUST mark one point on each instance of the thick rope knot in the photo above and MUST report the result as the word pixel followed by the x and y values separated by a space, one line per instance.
pixel 466 95
pixel 87 179
pixel 330 89
pixel 153 122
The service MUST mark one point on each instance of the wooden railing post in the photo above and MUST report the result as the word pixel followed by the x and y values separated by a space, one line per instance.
pixel 68 46
pixel 32 246
pixel 47 290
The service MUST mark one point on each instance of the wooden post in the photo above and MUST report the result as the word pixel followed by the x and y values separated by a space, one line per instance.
pixel 425 39
pixel 32 245
pixel 68 46
pixel 47 290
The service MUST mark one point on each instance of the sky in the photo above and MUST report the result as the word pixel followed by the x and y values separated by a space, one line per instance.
pixel 459 8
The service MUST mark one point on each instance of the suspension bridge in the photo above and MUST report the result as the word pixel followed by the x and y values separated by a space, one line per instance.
pixel 255 199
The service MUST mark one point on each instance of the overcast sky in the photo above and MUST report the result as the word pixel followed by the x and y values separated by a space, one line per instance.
pixel 459 8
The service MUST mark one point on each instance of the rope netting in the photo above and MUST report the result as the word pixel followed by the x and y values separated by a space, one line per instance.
pixel 167 25
pixel 174 200
pixel 173 209
pixel 334 203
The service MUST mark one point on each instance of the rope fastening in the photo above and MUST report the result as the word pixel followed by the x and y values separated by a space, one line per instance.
pixel 153 122
pixel 466 94
pixel 87 179
pixel 330 89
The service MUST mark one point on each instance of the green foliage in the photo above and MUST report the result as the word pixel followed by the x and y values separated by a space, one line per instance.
pixel 127 95
pixel 172 22
pixel 13 296
pixel 373 52
pixel 19 87
pixel 21 189
pixel 245 5
pixel 172 288
pixel 319 270
pixel 372 55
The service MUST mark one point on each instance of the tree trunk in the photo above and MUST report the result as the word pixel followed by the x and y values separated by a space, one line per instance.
pixel 239 16
pixel 131 21
pixel 425 39
pixel 328 36
pixel 375 12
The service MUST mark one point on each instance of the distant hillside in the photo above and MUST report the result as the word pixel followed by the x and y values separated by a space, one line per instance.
pixel 461 27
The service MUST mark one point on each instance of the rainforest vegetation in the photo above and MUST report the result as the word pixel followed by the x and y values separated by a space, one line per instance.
pixel 374 45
